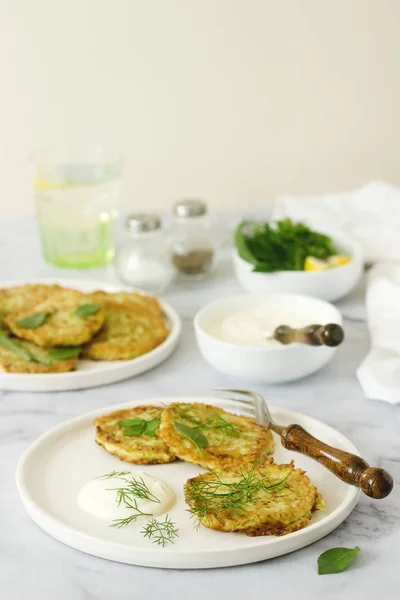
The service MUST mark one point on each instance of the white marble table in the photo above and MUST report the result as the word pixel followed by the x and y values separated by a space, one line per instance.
pixel 35 566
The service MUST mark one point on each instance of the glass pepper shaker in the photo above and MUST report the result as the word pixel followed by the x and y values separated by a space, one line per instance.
pixel 143 259
pixel 191 238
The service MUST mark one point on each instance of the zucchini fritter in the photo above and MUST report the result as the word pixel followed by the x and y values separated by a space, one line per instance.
pixel 19 297
pixel 12 363
pixel 267 499
pixel 142 300
pixel 229 439
pixel 135 439
pixel 129 331
pixel 62 327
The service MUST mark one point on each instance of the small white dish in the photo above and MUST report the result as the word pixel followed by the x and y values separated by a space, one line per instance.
pixel 268 364
pixel 329 284
pixel 92 373
pixel 53 469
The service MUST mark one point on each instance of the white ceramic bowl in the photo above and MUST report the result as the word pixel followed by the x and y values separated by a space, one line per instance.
pixel 268 364
pixel 330 284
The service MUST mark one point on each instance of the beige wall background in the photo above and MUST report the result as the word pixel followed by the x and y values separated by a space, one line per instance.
pixel 235 101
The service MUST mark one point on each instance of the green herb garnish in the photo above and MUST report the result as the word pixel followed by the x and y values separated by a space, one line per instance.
pixel 214 423
pixel 41 360
pixel 85 310
pixel 3 315
pixel 220 497
pixel 137 426
pixel 161 532
pixel 282 246
pixel 127 495
pixel 113 474
pixel 33 321
pixel 198 439
pixel 8 343
pixel 336 560
pixel 64 353
pixel 15 347
pixel 220 425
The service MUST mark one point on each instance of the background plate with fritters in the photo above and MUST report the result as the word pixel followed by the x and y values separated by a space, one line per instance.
pixel 54 468
pixel 93 373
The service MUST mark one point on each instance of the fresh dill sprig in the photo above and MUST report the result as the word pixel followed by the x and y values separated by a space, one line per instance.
pixel 220 425
pixel 220 497
pixel 161 532
pixel 132 518
pixel 127 494
pixel 133 488
pixel 113 474
pixel 215 423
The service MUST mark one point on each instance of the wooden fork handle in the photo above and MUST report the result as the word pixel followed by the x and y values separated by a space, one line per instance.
pixel 373 481
pixel 312 335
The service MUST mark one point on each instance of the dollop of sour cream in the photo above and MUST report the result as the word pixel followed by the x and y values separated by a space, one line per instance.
pixel 98 497
pixel 252 326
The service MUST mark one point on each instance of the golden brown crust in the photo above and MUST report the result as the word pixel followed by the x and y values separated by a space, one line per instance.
pixel 19 297
pixel 129 331
pixel 241 441
pixel 140 450
pixel 12 363
pixel 142 300
pixel 276 511
pixel 63 327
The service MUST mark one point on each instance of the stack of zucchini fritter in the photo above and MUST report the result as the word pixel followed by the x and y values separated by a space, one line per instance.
pixel 45 328
pixel 243 491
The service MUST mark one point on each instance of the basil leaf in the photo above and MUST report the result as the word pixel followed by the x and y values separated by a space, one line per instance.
pixel 41 360
pixel 6 342
pixel 198 439
pixel 336 560
pixel 3 315
pixel 64 353
pixel 33 321
pixel 85 310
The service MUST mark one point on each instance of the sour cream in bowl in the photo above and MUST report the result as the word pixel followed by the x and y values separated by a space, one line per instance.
pixel 232 334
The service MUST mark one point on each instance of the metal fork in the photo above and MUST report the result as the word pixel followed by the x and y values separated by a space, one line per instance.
pixel 373 481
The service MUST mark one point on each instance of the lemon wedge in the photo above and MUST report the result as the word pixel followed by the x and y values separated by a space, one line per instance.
pixel 315 264
pixel 338 260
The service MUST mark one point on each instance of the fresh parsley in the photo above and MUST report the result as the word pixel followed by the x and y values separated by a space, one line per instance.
pixel 280 246
pixel 336 560
pixel 137 426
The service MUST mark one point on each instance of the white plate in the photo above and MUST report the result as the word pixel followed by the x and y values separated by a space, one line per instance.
pixel 92 373
pixel 53 469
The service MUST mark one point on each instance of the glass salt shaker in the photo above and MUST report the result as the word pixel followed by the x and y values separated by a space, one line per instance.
pixel 143 259
pixel 191 239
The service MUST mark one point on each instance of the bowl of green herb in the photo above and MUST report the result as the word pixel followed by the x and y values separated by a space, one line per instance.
pixel 289 257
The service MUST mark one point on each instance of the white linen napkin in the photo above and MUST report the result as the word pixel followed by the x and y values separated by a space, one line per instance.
pixel 371 215
pixel 379 373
